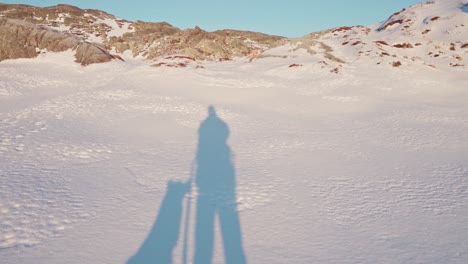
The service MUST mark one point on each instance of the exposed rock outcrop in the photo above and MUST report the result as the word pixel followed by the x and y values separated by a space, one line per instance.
pixel 87 53
pixel 21 39
pixel 148 39
pixel 430 33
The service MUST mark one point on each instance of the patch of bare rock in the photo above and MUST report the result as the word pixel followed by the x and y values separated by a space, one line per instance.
pixel 21 39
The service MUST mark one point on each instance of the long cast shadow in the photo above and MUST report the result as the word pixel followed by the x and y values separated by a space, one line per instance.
pixel 216 184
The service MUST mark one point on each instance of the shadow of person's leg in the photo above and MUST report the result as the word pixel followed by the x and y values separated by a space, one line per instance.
pixel 231 232
pixel 204 230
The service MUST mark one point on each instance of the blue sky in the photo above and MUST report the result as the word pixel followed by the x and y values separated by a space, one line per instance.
pixel 291 18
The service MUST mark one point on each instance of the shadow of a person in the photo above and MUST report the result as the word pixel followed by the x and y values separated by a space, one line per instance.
pixel 162 239
pixel 216 183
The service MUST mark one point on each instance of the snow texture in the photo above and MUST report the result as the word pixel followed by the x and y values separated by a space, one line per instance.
pixel 360 167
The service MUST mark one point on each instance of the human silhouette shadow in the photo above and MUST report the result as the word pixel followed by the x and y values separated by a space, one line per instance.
pixel 162 239
pixel 216 184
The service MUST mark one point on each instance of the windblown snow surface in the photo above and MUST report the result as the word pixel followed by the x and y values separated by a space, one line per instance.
pixel 366 166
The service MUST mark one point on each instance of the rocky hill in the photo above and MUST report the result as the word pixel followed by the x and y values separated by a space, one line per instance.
pixel 431 34
pixel 107 32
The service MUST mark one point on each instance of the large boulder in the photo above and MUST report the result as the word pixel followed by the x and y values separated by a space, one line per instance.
pixel 87 53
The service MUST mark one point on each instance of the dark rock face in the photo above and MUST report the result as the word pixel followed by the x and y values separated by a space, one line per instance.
pixel 87 53
pixel 14 41
pixel 21 39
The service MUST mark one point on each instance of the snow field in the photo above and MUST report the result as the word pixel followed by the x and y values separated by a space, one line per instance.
pixel 360 167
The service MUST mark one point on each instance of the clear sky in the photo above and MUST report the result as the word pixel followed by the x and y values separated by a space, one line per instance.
pixel 291 18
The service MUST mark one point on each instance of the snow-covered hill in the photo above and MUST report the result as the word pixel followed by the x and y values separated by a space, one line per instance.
pixel 432 34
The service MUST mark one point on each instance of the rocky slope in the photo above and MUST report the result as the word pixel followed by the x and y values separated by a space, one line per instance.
pixel 434 34
pixel 431 34
pixel 150 40
pixel 20 39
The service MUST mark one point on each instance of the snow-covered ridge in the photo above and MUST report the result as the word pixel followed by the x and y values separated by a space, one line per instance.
pixel 432 34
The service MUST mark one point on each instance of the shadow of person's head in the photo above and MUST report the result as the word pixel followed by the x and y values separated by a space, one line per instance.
pixel 213 129
pixel 211 111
